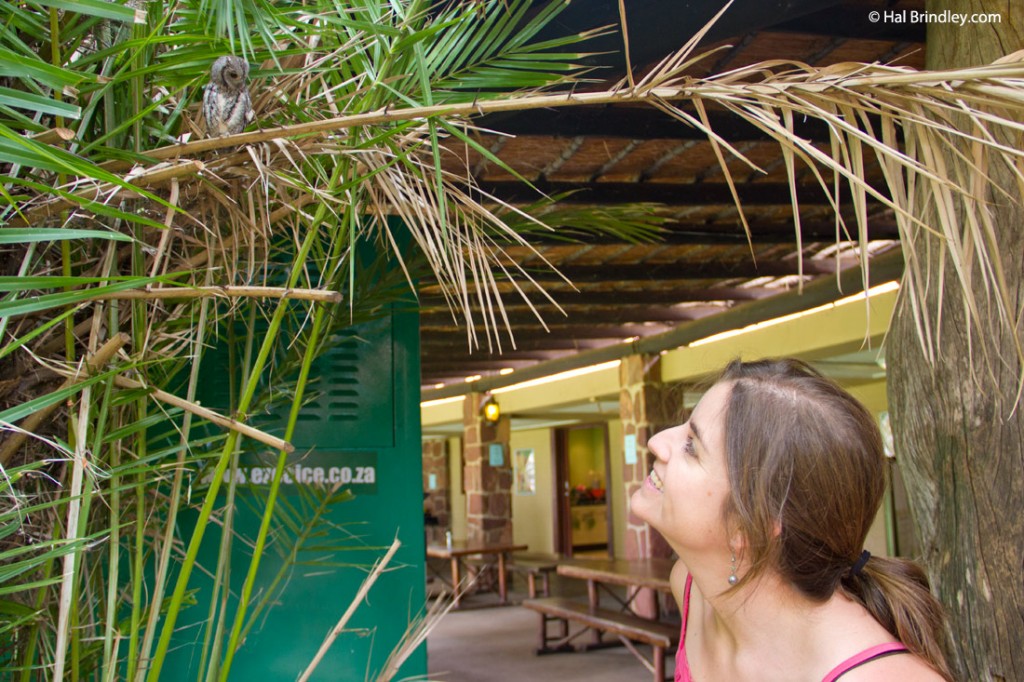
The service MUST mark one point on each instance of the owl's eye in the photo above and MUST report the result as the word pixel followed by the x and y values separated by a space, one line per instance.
pixel 232 74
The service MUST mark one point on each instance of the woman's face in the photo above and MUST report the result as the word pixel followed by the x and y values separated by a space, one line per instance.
pixel 684 495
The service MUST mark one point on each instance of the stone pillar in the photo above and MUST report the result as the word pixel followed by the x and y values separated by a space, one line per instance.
pixel 488 486
pixel 645 406
pixel 436 501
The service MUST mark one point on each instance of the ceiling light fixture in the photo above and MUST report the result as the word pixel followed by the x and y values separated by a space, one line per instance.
pixel 490 410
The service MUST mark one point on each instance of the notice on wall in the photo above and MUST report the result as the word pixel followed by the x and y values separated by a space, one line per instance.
pixel 629 448
pixel 346 469
pixel 526 472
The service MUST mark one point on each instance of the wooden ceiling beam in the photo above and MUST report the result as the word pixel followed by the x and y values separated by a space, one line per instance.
pixel 533 338
pixel 632 122
pixel 667 193
pixel 622 296
pixel 685 233
pixel 577 315
pixel 681 271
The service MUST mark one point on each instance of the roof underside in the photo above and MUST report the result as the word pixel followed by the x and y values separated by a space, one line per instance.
pixel 703 264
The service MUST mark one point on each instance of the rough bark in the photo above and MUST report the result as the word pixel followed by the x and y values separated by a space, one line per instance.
pixel 958 436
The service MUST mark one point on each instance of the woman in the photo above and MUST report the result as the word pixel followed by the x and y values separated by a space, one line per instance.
pixel 766 495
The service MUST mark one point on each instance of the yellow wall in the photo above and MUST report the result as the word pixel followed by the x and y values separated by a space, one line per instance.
pixel 586 456
pixel 616 493
pixel 532 517
pixel 458 497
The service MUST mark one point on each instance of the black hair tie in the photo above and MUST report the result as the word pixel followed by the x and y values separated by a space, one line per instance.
pixel 859 564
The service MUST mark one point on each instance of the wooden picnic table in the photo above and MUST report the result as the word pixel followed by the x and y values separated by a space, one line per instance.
pixel 460 549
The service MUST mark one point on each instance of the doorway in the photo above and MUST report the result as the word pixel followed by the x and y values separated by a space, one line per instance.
pixel 583 508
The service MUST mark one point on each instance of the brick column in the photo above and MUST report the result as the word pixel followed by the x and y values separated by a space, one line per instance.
pixel 436 501
pixel 645 406
pixel 488 487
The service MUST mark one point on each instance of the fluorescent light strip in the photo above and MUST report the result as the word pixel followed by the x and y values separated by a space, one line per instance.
pixel 559 377
pixel 442 401
pixel 873 291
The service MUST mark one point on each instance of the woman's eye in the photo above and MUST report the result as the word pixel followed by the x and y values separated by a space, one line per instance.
pixel 688 447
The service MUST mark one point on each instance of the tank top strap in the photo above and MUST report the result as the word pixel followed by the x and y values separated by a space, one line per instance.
pixel 870 654
pixel 682 665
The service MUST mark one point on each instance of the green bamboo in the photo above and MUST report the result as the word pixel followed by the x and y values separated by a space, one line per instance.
pixel 221 593
pixel 166 543
pixel 282 459
pixel 232 439
pixel 138 323
pixel 319 318
pixel 110 666
pixel 114 568
pixel 32 638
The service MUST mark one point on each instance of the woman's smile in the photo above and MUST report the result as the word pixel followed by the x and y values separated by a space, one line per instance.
pixel 654 480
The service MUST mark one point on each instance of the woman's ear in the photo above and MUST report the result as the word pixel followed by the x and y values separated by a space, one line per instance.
pixel 737 543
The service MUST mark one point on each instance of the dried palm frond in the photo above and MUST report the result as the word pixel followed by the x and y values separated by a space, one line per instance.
pixel 908 121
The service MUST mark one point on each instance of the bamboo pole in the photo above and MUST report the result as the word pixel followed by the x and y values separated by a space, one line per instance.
pixel 100 358
pixel 149 178
pixel 673 92
pixel 154 293
pixel 337 630
pixel 209 415
pixel 64 622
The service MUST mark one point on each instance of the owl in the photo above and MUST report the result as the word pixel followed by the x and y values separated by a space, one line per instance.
pixel 226 104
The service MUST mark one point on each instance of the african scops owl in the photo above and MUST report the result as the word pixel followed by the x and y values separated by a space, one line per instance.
pixel 226 104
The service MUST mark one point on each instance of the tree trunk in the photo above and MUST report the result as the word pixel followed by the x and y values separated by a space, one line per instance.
pixel 959 438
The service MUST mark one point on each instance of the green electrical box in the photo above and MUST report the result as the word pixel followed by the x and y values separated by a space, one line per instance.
pixel 360 432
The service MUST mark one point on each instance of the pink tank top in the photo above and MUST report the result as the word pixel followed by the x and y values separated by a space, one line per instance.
pixel 870 654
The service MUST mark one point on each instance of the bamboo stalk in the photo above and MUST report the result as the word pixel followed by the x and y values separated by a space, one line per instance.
pixel 149 178
pixel 209 415
pixel 101 357
pixel 47 347
pixel 68 577
pixel 228 291
pixel 54 136
pixel 363 590
pixel 689 90
pixel 250 579
pixel 189 559
pixel 166 542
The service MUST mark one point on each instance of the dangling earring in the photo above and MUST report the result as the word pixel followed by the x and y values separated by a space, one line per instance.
pixel 732 576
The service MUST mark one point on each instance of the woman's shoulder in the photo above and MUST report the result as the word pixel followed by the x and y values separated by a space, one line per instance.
pixel 851 634
pixel 904 667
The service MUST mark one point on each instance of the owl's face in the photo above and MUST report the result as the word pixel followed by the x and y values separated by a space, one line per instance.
pixel 229 72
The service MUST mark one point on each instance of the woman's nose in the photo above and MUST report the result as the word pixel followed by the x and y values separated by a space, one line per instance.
pixel 657 444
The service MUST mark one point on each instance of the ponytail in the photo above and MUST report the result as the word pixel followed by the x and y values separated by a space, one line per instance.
pixel 897 593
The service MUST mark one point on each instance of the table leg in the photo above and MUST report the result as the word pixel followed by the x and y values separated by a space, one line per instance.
pixel 455 582
pixel 501 577
pixel 595 602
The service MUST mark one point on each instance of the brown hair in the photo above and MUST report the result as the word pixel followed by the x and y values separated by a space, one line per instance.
pixel 807 474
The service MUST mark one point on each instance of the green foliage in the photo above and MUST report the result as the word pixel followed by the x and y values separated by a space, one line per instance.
pixel 102 232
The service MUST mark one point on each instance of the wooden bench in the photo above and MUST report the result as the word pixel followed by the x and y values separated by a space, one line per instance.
pixel 627 627
pixel 535 566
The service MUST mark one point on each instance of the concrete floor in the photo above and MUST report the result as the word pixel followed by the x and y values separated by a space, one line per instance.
pixel 495 644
